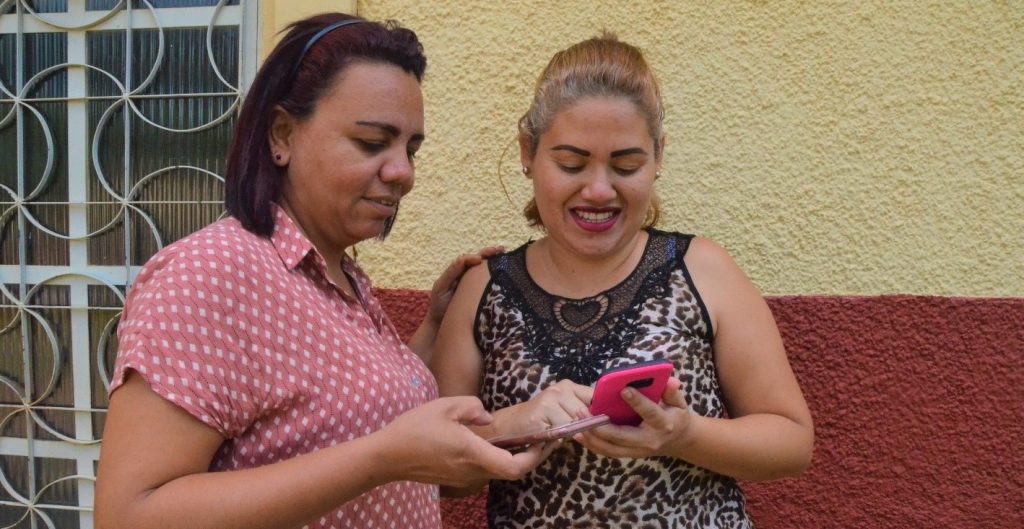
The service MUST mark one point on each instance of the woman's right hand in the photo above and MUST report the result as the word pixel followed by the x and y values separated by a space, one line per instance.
pixel 433 444
pixel 558 404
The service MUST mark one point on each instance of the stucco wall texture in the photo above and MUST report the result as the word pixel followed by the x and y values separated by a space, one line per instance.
pixel 917 409
pixel 842 152
pixel 870 147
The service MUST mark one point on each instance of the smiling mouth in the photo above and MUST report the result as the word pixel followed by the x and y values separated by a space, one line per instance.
pixel 595 217
pixel 386 202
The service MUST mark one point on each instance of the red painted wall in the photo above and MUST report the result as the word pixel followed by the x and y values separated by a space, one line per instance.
pixel 918 405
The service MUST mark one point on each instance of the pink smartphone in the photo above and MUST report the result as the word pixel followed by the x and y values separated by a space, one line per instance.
pixel 649 378
pixel 549 434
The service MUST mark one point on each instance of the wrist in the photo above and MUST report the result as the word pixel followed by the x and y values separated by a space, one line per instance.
pixel 428 328
pixel 498 425
pixel 389 459
pixel 434 318
pixel 511 420
pixel 422 341
pixel 682 444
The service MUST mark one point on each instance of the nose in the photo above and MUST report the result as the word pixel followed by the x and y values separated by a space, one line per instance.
pixel 398 170
pixel 599 188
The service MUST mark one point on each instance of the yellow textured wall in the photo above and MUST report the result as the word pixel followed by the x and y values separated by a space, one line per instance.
pixel 275 15
pixel 834 148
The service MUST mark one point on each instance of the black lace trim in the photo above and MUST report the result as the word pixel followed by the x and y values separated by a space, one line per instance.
pixel 576 338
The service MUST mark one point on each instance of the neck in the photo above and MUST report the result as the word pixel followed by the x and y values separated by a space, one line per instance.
pixel 565 272
pixel 331 254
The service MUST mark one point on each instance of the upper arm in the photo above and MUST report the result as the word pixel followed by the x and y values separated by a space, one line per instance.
pixel 457 363
pixel 753 370
pixel 147 442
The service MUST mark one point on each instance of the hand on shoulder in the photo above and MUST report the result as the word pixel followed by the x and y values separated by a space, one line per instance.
pixel 444 288
pixel 467 289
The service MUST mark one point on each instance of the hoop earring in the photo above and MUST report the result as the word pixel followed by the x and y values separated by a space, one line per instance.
pixel 388 224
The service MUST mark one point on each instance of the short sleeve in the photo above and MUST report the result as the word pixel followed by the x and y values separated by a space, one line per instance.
pixel 178 333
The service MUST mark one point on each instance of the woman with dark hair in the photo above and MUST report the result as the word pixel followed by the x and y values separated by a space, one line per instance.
pixel 258 381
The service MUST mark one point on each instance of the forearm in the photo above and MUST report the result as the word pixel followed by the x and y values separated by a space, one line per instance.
pixel 754 447
pixel 284 494
pixel 422 341
pixel 462 492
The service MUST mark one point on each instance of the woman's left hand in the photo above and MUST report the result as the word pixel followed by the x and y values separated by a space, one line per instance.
pixel 664 426
pixel 443 289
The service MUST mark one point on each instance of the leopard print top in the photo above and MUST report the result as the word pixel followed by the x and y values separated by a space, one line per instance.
pixel 530 339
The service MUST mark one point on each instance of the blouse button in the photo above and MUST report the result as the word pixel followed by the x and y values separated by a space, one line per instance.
pixel 416 382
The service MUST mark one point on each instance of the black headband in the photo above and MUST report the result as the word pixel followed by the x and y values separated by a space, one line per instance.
pixel 319 35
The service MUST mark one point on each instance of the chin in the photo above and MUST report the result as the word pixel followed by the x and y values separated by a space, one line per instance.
pixel 377 231
pixel 592 248
pixel 598 244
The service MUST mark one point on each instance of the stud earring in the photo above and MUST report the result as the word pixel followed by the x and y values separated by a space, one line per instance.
pixel 277 156
pixel 657 174
pixel 526 170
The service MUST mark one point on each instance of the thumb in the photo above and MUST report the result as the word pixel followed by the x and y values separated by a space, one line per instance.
pixel 450 274
pixel 526 460
pixel 491 251
pixel 584 393
pixel 673 395
pixel 469 410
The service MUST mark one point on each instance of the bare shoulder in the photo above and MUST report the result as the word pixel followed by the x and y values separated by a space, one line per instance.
pixel 456 361
pixel 468 292
pixel 719 281
pixel 706 257
pixel 471 285
pixel 476 276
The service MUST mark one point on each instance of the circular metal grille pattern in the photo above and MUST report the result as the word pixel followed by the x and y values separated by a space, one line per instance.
pixel 115 117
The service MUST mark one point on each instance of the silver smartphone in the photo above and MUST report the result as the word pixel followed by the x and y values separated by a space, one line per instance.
pixel 549 434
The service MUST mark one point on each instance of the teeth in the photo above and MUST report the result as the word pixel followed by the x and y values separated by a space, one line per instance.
pixel 590 216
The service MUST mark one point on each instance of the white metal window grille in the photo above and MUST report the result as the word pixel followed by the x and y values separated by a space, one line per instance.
pixel 114 121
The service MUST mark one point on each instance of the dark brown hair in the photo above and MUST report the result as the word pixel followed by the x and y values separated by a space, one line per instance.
pixel 296 82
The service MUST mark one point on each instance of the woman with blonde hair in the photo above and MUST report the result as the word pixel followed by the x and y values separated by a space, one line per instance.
pixel 532 330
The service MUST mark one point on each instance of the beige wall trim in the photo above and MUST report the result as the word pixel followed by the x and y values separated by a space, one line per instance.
pixel 275 15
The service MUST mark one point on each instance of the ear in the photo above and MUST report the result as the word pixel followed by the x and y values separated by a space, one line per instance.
pixel 525 157
pixel 282 126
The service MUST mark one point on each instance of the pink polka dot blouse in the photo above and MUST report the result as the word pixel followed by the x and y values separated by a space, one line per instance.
pixel 249 336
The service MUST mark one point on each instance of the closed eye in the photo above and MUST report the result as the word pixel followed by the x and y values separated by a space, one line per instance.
pixel 371 147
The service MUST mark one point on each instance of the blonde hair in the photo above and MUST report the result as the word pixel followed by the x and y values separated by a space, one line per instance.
pixel 599 67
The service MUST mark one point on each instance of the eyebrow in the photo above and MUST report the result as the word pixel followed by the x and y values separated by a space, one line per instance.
pixel 614 154
pixel 388 128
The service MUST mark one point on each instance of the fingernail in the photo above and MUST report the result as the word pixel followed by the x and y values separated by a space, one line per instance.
pixel 628 393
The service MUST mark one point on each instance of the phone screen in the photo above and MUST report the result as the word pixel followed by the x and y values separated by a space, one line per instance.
pixel 549 434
